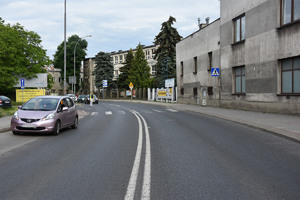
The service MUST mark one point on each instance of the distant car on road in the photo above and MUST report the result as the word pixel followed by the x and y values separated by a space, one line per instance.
pixel 94 100
pixel 45 114
pixel 81 98
pixel 5 102
pixel 73 97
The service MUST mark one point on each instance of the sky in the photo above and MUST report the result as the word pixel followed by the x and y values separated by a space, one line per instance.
pixel 114 24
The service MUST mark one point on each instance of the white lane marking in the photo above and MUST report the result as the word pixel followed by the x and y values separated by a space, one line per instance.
pixel 108 113
pixel 135 169
pixel 159 111
pixel 146 190
pixel 94 113
pixel 122 112
pixel 172 110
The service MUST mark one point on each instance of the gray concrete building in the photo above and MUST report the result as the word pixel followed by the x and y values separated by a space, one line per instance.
pixel 259 56
pixel 196 55
pixel 260 49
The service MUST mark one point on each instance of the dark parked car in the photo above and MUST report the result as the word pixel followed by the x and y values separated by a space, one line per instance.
pixel 81 98
pixel 5 102
pixel 94 99
pixel 45 114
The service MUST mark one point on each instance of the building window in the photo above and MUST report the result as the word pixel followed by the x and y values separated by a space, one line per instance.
pixel 116 59
pixel 121 58
pixel 182 91
pixel 290 11
pixel 54 80
pixel 195 91
pixel 209 61
pixel 181 68
pixel 240 80
pixel 290 76
pixel 153 70
pixel 116 73
pixel 195 65
pixel 239 28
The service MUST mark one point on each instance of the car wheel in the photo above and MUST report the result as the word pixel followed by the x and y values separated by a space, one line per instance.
pixel 75 125
pixel 16 133
pixel 57 128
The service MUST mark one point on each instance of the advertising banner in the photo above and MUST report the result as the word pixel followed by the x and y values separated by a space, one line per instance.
pixel 26 94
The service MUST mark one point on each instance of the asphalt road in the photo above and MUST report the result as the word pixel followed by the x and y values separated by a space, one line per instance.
pixel 135 151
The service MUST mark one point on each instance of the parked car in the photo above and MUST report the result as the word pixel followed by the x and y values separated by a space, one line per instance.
pixel 45 114
pixel 95 99
pixel 73 97
pixel 81 98
pixel 5 102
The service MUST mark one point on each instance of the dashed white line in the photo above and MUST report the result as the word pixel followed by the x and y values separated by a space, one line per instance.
pixel 108 113
pixel 172 110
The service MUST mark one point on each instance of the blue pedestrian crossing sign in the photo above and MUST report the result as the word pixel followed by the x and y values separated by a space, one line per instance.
pixel 22 84
pixel 215 72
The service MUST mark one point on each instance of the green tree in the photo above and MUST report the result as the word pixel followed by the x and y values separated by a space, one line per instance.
pixel 104 70
pixel 80 54
pixel 21 55
pixel 123 80
pixel 166 52
pixel 139 73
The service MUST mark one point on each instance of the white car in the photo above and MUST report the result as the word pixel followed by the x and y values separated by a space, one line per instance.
pixel 73 97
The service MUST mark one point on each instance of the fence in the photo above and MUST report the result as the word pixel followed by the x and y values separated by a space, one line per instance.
pixel 150 94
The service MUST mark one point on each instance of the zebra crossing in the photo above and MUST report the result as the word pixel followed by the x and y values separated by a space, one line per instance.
pixel 121 112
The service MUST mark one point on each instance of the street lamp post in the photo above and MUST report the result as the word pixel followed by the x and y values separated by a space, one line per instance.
pixel 65 49
pixel 74 59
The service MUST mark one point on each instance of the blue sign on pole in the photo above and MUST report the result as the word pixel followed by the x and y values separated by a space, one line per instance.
pixel 22 84
pixel 215 72
pixel 104 83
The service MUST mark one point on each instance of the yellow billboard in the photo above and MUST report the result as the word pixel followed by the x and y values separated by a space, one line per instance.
pixel 26 94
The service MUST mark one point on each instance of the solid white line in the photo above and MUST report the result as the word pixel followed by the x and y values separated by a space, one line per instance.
pixel 146 190
pixel 135 169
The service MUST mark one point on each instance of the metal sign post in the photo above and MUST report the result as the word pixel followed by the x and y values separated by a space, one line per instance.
pixel 131 87
pixel 215 72
pixel 22 87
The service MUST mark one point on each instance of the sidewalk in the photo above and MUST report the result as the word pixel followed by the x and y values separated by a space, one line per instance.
pixel 284 125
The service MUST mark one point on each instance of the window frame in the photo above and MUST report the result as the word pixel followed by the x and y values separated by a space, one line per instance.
pixel 241 26
pixel 195 65
pixel 181 68
pixel 241 92
pixel 292 70
pixel 292 12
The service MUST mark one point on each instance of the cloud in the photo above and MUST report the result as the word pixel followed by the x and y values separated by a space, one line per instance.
pixel 114 25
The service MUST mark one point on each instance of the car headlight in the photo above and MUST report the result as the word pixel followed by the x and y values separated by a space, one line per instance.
pixel 49 116
pixel 16 115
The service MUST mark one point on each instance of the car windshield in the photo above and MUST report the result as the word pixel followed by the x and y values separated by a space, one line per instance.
pixel 82 96
pixel 40 104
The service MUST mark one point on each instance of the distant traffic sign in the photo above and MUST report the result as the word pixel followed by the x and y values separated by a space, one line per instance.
pixel 22 84
pixel 215 72
pixel 131 86
pixel 104 82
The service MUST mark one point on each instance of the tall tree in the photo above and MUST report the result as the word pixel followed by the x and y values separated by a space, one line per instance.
pixel 139 73
pixel 166 52
pixel 104 70
pixel 123 80
pixel 79 56
pixel 21 55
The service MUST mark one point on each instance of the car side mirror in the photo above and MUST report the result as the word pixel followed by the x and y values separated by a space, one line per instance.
pixel 65 109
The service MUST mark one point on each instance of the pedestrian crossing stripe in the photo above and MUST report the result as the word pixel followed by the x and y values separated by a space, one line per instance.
pixel 215 72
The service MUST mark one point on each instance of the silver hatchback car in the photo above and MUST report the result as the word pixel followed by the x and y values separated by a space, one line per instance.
pixel 45 114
